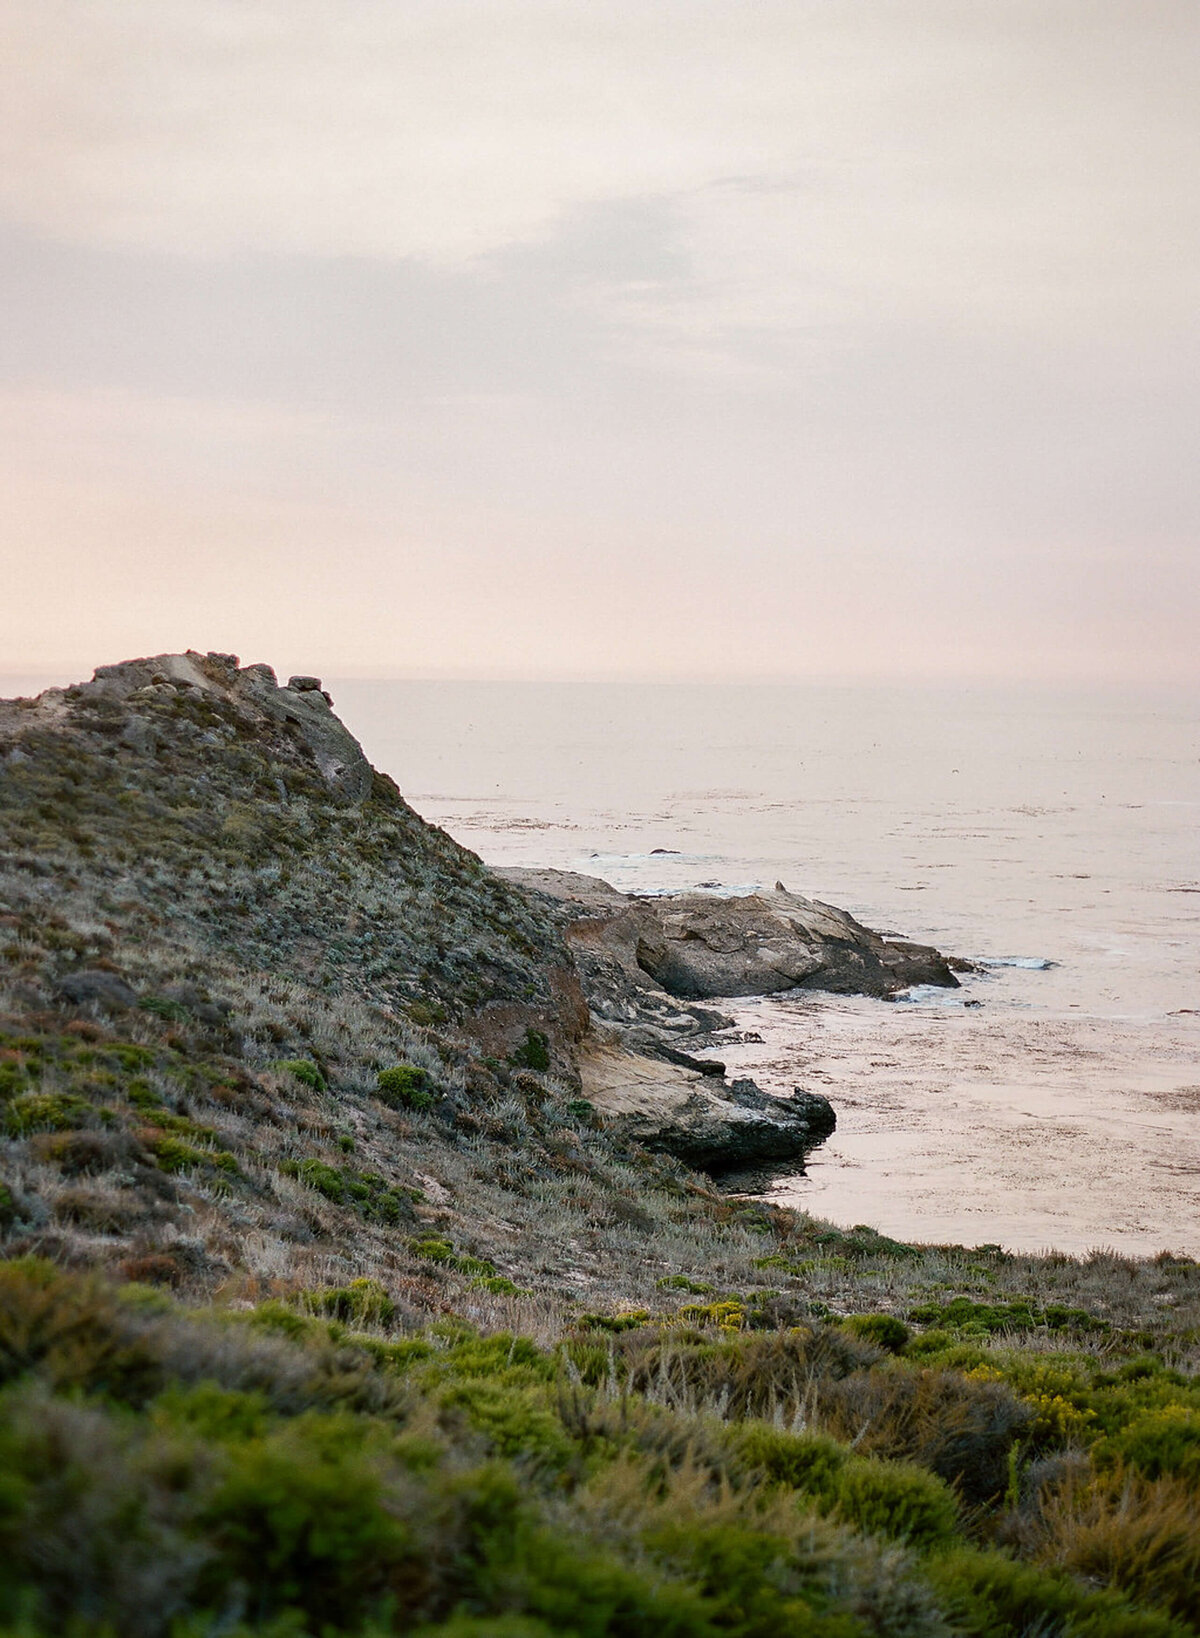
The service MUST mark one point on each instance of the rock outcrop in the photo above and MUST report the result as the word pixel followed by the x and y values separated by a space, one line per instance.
pixel 697 1118
pixel 648 961
pixel 302 708
pixel 648 965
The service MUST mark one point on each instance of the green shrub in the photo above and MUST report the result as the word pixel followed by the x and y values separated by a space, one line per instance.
pixel 499 1286
pixel 512 1418
pixel 986 1318
pixel 884 1330
pixel 863 1241
pixel 441 1251
pixel 13 1079
pixel 143 1096
pixel 755 1580
pixel 727 1314
pixel 211 1411
pixel 298 1523
pixel 684 1282
pixel 171 1011
pixel 45 1112
pixel 1161 1442
pixel 534 1051
pixel 427 1014
pixel 961 1429
pixel 315 1174
pixel 302 1070
pixel 174 1155
pixel 898 1500
pixel 405 1086
pixel 487 1626
pixel 808 1462
pixel 433 1250
pixel 362 1302
pixel 501 1357
pixel 1138 1536
pixel 130 1058
pixel 632 1320
pixel 581 1592
pixel 987 1595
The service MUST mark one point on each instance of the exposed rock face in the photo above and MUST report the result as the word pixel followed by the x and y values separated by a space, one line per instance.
pixel 643 957
pixel 302 707
pixel 697 1118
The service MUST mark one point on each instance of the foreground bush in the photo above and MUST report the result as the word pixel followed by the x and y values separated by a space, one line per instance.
pixel 175 1475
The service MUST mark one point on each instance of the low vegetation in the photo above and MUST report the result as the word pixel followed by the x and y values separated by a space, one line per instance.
pixel 315 1466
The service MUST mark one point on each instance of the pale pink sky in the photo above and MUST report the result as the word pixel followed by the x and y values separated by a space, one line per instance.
pixel 697 338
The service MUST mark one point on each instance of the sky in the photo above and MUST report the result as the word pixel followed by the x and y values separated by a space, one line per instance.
pixel 646 338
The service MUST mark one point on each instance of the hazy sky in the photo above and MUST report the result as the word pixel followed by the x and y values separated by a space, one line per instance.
pixel 666 337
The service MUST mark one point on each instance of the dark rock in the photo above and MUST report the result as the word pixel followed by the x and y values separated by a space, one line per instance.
pixel 702 1066
pixel 102 989
pixel 305 685
pixel 694 1117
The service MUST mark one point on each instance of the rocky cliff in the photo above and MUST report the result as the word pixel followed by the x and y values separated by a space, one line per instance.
pixel 258 1020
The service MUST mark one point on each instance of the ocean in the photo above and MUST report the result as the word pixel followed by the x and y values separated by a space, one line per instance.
pixel 1052 837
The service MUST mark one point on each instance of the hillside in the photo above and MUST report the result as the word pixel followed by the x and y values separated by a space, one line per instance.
pixel 338 1300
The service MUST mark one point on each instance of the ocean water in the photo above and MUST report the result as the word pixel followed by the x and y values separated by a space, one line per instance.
pixel 1054 1100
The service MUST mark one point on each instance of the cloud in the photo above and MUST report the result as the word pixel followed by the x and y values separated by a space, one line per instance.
pixel 824 335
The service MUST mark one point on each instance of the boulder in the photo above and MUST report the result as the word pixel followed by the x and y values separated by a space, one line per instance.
pixel 703 1122
pixel 98 988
